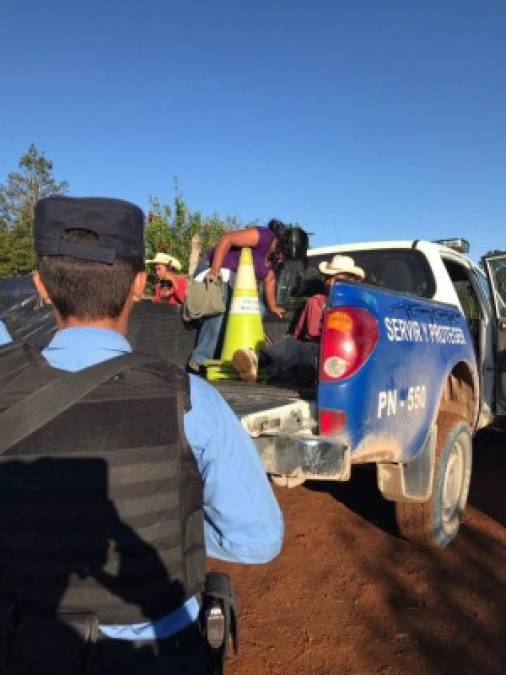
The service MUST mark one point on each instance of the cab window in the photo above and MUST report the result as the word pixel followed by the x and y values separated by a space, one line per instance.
pixel 468 297
pixel 466 293
pixel 497 271
pixel 401 270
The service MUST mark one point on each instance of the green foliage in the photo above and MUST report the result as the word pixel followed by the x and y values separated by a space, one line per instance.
pixel 5 250
pixel 170 229
pixel 18 196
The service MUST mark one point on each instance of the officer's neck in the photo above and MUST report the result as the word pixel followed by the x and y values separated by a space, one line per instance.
pixel 119 323
pixel 75 323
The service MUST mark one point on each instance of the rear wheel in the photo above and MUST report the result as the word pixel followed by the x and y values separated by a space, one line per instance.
pixel 436 521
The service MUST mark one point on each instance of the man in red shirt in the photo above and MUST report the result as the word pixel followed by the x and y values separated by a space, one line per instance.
pixel 295 357
pixel 171 288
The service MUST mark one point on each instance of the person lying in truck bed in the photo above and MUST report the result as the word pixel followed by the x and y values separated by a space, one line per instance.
pixel 295 357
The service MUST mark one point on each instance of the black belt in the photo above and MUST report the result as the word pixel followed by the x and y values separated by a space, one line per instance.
pixel 71 644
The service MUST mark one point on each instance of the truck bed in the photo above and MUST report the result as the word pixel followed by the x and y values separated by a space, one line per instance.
pixel 247 398
pixel 158 329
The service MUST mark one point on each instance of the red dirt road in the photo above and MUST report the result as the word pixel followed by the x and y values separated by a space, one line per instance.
pixel 348 596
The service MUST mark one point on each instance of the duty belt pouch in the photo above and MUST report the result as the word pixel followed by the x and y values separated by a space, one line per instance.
pixel 219 595
pixel 47 644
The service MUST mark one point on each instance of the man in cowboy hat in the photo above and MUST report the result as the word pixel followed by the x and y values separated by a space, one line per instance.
pixel 171 288
pixel 343 267
pixel 295 356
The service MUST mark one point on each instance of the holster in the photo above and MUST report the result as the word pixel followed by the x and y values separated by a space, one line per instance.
pixel 34 643
pixel 219 617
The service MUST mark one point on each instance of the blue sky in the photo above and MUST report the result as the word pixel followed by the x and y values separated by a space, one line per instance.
pixel 365 119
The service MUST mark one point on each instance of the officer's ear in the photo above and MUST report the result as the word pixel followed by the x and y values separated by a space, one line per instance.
pixel 41 289
pixel 138 286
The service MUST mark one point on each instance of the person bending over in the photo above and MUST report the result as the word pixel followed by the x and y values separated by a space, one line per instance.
pixel 270 245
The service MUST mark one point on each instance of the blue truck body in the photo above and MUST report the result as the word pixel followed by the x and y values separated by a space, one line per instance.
pixel 391 402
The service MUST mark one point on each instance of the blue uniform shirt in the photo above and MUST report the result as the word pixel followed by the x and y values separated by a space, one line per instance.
pixel 5 338
pixel 243 522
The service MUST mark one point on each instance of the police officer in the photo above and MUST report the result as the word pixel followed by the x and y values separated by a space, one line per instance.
pixel 118 479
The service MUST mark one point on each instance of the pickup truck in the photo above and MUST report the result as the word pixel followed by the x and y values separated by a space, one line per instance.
pixel 412 364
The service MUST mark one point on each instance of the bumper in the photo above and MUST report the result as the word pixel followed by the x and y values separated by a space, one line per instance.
pixel 310 457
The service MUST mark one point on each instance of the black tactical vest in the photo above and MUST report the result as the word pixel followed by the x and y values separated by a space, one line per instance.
pixel 101 509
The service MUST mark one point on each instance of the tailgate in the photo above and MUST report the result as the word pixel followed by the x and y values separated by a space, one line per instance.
pixel 252 397
pixel 266 409
pixel 283 422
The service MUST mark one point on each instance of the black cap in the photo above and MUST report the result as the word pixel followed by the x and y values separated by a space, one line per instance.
pixel 119 226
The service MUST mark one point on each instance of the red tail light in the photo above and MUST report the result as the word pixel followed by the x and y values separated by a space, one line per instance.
pixel 348 338
pixel 331 422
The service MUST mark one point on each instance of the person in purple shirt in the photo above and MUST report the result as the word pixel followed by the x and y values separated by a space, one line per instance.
pixel 270 245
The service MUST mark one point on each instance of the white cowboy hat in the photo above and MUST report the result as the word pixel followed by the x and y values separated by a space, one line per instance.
pixel 341 264
pixel 166 259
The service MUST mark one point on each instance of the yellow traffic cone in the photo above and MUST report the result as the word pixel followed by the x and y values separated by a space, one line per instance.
pixel 244 327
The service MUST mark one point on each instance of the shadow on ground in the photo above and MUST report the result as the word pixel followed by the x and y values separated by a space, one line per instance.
pixel 487 492
pixel 488 485
pixel 361 495
pixel 415 609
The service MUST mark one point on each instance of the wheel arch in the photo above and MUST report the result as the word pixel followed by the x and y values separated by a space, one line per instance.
pixel 460 393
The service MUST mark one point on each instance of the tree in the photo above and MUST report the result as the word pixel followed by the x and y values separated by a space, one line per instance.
pixel 172 230
pixel 18 196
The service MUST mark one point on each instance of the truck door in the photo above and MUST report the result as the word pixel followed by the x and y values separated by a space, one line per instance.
pixel 496 271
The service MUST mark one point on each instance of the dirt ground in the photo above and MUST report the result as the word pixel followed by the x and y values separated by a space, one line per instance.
pixel 347 595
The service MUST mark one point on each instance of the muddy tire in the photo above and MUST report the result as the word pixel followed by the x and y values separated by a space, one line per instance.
pixel 436 521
